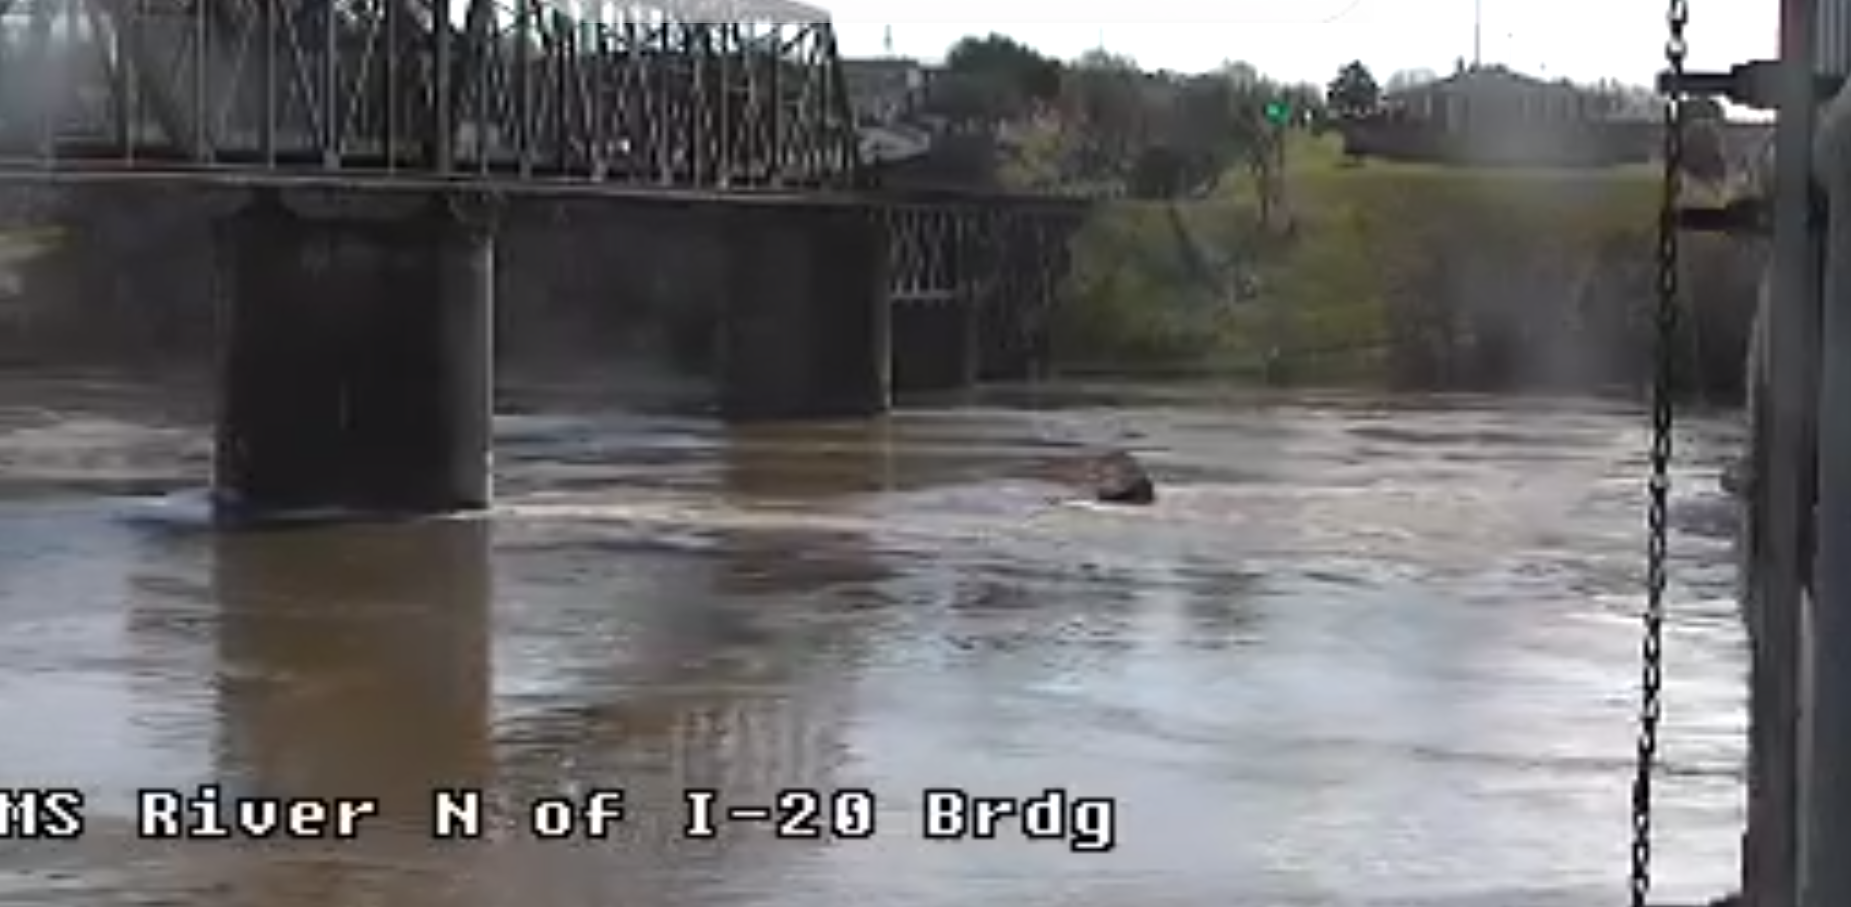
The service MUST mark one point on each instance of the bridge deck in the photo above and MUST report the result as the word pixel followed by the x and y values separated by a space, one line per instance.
pixel 510 185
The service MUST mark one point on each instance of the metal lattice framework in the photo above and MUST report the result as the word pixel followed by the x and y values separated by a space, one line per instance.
pixel 1009 260
pixel 737 93
pixel 1030 266
pixel 923 246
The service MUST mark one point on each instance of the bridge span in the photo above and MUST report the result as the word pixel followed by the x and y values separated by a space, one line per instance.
pixel 362 158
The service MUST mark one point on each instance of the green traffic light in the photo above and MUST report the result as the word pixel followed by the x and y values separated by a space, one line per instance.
pixel 1278 112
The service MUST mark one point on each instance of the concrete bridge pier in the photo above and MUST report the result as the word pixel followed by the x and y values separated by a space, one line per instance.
pixel 356 356
pixel 1012 328
pixel 1031 257
pixel 937 331
pixel 935 344
pixel 805 328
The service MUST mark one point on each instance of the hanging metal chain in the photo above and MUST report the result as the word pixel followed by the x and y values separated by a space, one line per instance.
pixel 1659 489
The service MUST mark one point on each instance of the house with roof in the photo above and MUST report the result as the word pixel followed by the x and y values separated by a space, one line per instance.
pixel 1492 115
pixel 884 89
pixel 1494 97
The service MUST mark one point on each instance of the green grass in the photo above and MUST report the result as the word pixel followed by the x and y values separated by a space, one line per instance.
pixel 1377 246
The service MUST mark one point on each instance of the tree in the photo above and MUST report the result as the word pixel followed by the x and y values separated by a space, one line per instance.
pixel 1306 100
pixel 969 99
pixel 1104 97
pixel 1409 78
pixel 1203 128
pixel 1353 93
pixel 1241 73
pixel 993 79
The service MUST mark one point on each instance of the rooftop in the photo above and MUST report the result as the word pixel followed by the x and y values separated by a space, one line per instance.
pixel 1483 78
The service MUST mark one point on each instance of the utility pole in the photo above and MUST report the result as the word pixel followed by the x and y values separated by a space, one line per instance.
pixel 1478 32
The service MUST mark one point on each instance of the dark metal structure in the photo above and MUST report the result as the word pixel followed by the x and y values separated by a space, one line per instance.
pixel 1001 264
pixel 708 94
pixel 675 101
pixel 1796 508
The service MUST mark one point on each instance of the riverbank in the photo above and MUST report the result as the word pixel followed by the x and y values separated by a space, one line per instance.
pixel 1404 275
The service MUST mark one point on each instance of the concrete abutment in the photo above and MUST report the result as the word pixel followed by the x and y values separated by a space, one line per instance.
pixel 1029 268
pixel 937 332
pixel 935 344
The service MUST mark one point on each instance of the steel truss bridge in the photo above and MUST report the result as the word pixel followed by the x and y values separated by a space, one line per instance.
pixel 737 94
pixel 698 101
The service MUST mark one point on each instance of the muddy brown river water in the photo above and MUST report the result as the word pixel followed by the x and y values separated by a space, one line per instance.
pixel 1364 651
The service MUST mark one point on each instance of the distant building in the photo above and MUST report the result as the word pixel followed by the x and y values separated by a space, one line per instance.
pixel 884 90
pixel 1496 97
pixel 1490 115
pixel 885 95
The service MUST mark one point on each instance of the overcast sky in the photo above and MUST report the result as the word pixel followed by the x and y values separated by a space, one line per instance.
pixel 1307 40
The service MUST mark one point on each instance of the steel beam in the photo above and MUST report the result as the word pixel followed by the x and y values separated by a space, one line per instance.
pixel 1824 789
pixel 628 92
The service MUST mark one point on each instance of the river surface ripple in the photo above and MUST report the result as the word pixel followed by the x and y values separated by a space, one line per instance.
pixel 1365 651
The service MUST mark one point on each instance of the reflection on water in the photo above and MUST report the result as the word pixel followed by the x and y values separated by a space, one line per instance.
pixel 354 662
pixel 1364 652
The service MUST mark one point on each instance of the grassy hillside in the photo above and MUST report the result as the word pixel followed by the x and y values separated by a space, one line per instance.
pixel 1423 274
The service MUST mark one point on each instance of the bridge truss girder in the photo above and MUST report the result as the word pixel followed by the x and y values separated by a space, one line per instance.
pixel 1009 255
pixel 613 92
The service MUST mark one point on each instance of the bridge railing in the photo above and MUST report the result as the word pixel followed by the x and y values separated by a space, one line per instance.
pixel 609 92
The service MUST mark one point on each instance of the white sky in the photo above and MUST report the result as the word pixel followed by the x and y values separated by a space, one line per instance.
pixel 1307 40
